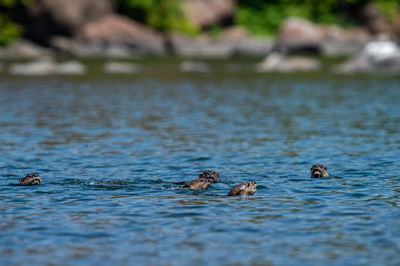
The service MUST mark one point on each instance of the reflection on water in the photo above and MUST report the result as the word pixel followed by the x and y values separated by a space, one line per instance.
pixel 109 152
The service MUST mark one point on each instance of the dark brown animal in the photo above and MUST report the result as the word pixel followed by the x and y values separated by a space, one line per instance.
pixel 318 171
pixel 212 176
pixel 244 189
pixel 200 183
pixel 31 180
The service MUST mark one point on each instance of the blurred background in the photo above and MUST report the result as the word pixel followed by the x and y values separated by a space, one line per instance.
pixel 207 29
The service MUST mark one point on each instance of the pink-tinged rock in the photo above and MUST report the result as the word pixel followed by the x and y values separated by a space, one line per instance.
pixel 203 13
pixel 45 18
pixel 297 35
pixel 116 29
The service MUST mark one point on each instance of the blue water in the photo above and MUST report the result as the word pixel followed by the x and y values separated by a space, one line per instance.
pixel 148 132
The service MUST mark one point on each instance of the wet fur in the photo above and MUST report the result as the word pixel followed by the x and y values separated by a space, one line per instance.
pixel 318 171
pixel 244 189
pixel 211 175
pixel 30 180
pixel 198 184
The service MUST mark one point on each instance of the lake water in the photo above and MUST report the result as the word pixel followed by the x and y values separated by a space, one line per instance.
pixel 152 130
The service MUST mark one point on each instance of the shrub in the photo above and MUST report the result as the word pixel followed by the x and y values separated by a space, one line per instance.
pixel 264 17
pixel 9 30
pixel 162 15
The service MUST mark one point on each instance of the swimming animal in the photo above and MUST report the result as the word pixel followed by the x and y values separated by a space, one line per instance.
pixel 318 171
pixel 211 175
pixel 200 183
pixel 244 189
pixel 30 180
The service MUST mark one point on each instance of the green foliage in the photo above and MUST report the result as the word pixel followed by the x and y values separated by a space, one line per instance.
pixel 261 17
pixel 390 8
pixel 215 31
pixel 13 3
pixel 163 15
pixel 264 17
pixel 10 31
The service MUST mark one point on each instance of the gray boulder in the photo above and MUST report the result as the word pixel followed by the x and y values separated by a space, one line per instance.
pixel 381 53
pixel 36 68
pixel 201 47
pixel 47 66
pixel 222 48
pixel 343 42
pixel 24 49
pixel 69 46
pixel 243 44
pixel 276 62
pixel 252 47
pixel 96 49
pixel 378 56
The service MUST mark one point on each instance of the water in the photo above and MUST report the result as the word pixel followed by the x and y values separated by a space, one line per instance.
pixel 153 130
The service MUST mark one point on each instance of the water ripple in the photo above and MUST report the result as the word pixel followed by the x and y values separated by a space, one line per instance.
pixel 110 152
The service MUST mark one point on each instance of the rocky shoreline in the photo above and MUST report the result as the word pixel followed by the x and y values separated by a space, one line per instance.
pixel 26 58
pixel 104 34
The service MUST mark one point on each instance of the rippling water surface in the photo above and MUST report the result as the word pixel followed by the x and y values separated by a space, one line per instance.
pixel 148 132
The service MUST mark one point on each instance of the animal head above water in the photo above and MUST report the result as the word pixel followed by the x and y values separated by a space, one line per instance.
pixel 244 189
pixel 318 171
pixel 211 175
pixel 30 180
